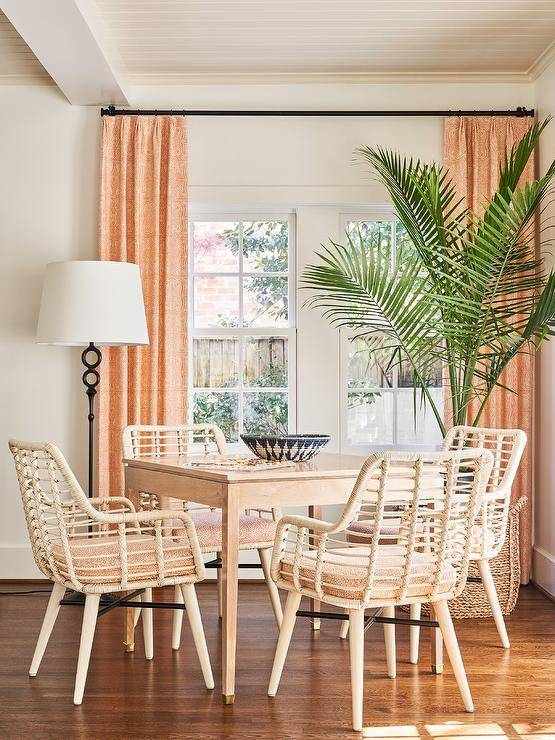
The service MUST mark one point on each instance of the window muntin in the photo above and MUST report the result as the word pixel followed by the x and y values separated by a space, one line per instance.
pixel 242 306
pixel 377 399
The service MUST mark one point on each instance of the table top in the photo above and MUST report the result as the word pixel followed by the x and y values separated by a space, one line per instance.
pixel 324 465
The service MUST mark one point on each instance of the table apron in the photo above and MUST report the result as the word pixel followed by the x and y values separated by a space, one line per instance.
pixel 301 492
pixel 266 494
pixel 170 485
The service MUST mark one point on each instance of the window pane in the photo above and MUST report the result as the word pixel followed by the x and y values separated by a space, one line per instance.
pixel 370 418
pixel 368 364
pixel 265 301
pixel 406 376
pixel 427 431
pixel 372 232
pixel 216 301
pixel 266 362
pixel 215 362
pixel 221 409
pixel 265 246
pixel 266 413
pixel 216 246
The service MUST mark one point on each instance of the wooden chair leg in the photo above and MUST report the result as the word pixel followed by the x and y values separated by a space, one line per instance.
pixel 48 622
pixel 448 631
pixel 436 645
pixel 177 619
pixel 195 622
pixel 285 633
pixel 414 634
pixel 491 593
pixel 147 626
pixel 389 637
pixel 356 649
pixel 90 614
pixel 344 629
pixel 265 561
pixel 219 585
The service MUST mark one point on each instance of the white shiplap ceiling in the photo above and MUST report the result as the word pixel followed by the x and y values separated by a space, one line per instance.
pixel 165 41
pixel 18 64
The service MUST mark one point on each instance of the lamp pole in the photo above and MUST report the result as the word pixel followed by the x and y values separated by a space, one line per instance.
pixel 91 378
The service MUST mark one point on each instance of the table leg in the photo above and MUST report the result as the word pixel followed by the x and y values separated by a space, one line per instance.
pixel 129 614
pixel 129 617
pixel 436 645
pixel 230 560
pixel 315 512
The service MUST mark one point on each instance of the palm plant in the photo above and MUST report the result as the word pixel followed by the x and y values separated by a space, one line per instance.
pixel 470 294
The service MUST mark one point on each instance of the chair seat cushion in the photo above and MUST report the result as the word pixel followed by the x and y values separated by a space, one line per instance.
pixel 345 573
pixel 254 531
pixel 97 560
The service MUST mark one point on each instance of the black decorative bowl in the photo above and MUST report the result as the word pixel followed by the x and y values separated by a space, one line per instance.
pixel 293 447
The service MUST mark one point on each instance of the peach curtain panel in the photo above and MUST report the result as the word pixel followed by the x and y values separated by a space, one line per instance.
pixel 474 147
pixel 143 219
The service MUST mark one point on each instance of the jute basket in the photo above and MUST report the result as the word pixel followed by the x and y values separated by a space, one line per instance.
pixel 505 569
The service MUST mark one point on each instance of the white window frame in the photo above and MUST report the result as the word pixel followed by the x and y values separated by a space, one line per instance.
pixel 385 213
pixel 288 332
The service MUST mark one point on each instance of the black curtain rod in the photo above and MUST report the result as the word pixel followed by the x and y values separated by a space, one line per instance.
pixel 520 112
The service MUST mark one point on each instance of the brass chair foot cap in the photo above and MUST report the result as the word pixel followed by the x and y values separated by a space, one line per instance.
pixel 437 669
pixel 228 698
pixel 129 647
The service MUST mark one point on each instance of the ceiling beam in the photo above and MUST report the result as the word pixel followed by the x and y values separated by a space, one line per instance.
pixel 66 37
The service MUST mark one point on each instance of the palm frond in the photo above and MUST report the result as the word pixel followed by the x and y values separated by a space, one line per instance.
pixel 471 293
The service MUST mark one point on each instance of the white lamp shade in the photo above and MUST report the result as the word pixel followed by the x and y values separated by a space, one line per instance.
pixel 92 301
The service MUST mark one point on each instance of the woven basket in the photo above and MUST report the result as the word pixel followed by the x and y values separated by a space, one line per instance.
pixel 505 569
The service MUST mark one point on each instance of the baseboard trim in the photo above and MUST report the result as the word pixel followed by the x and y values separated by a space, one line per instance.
pixel 544 571
pixel 543 591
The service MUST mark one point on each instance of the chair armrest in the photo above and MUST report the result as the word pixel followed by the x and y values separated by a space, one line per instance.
pixel 140 517
pixel 121 500
pixel 316 525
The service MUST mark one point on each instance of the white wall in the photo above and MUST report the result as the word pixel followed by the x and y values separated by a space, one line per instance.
pixel 48 206
pixel 49 154
pixel 544 513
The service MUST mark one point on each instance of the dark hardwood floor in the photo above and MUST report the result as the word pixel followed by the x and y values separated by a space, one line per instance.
pixel 128 697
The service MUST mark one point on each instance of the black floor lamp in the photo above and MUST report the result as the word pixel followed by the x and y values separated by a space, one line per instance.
pixel 91 304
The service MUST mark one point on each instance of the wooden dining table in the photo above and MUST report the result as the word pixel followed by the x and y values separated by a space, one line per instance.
pixel 327 479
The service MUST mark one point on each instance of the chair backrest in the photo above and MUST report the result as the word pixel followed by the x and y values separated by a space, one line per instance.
pixel 507 446
pixel 419 508
pixel 162 441
pixel 54 503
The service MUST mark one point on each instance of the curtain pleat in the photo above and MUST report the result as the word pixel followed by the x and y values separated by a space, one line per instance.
pixel 143 219
pixel 474 148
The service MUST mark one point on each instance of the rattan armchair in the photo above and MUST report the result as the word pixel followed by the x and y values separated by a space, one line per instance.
pixel 431 501
pixel 256 528
pixel 507 446
pixel 102 545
